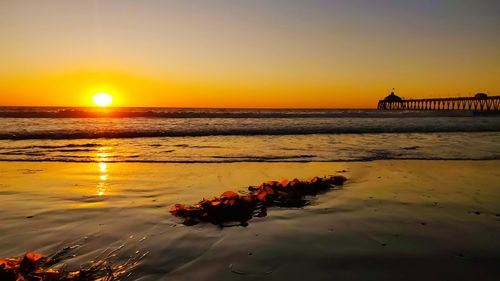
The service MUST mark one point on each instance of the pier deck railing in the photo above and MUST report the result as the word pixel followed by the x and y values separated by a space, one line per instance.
pixel 490 103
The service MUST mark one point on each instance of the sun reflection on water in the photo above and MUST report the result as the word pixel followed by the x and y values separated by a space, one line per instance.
pixel 102 154
pixel 101 188
pixel 102 157
pixel 103 167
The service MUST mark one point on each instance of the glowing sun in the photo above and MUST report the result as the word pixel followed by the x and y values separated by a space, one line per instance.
pixel 102 99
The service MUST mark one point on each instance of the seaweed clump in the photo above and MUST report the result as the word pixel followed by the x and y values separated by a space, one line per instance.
pixel 234 207
pixel 36 267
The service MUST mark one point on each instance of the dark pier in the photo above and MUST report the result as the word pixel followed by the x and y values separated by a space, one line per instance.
pixel 480 102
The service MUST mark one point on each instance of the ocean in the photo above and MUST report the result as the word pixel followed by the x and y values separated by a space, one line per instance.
pixel 243 135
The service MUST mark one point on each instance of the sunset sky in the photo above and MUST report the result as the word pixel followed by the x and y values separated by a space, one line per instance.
pixel 253 53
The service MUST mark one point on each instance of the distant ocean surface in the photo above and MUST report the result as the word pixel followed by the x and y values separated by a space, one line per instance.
pixel 243 135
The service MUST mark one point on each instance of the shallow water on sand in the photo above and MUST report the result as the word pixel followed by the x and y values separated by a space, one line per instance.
pixel 261 148
pixel 392 220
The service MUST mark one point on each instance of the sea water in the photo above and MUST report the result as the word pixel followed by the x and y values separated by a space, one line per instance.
pixel 243 135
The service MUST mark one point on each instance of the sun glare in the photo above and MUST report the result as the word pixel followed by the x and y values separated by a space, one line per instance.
pixel 102 99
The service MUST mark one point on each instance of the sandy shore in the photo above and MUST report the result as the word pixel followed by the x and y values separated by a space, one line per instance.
pixel 393 220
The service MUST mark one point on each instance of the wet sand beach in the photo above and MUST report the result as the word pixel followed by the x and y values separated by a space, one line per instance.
pixel 392 220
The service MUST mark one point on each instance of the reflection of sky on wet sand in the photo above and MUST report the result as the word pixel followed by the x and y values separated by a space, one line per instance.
pixel 62 198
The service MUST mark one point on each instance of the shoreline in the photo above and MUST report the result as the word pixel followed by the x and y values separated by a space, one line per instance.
pixel 244 161
pixel 242 133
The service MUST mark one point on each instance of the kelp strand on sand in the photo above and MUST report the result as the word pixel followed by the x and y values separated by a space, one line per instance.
pixel 36 267
pixel 234 207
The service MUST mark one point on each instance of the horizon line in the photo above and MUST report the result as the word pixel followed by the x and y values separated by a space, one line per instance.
pixel 173 107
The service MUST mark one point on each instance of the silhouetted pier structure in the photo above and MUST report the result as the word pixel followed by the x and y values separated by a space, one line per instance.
pixel 480 102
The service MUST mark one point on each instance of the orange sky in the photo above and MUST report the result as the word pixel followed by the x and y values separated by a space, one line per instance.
pixel 245 53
